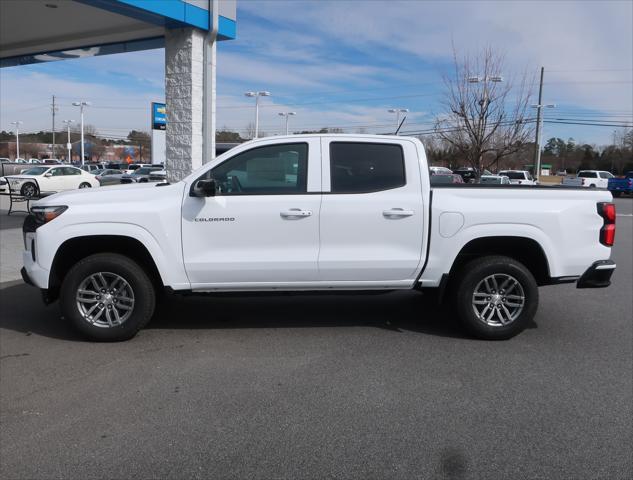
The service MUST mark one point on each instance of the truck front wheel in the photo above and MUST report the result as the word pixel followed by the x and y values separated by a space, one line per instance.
pixel 496 297
pixel 107 297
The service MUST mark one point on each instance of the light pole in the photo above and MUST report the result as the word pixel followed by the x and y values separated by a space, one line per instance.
pixel 17 124
pixel 81 106
pixel 69 145
pixel 257 95
pixel 287 114
pixel 398 111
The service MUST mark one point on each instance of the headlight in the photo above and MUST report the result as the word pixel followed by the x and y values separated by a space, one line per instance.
pixel 46 214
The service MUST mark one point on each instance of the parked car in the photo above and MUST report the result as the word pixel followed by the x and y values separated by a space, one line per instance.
pixel 158 176
pixel 370 225
pixel 618 186
pixel 33 160
pixel 132 167
pixel 51 180
pixel 51 161
pixel 4 160
pixel 440 171
pixel 20 160
pixel 109 176
pixel 468 174
pixel 93 168
pixel 595 178
pixel 518 177
pixel 443 179
pixel 494 180
pixel 4 185
pixel 140 175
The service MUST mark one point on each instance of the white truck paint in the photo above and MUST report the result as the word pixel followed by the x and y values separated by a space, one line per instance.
pixel 278 218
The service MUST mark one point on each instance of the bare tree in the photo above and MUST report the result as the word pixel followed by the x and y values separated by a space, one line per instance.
pixel 249 131
pixel 486 119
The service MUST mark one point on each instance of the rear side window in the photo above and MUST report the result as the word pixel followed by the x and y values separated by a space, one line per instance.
pixel 587 175
pixel 365 167
pixel 605 175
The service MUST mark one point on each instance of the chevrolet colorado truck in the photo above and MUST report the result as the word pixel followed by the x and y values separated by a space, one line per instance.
pixel 315 213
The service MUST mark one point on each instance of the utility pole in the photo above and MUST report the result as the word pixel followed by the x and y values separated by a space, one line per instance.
pixel 53 110
pixel 539 125
pixel 257 95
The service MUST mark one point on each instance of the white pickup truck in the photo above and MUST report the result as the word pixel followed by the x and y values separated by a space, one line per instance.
pixel 315 212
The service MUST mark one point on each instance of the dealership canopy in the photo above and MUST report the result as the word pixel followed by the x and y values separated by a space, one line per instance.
pixel 33 31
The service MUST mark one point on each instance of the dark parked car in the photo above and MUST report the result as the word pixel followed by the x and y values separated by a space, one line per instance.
pixel 618 186
pixel 109 176
pixel 468 174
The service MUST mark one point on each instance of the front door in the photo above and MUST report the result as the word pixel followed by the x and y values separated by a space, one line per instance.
pixel 372 215
pixel 263 224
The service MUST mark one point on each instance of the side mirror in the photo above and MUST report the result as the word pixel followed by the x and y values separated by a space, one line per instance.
pixel 203 188
pixel 49 174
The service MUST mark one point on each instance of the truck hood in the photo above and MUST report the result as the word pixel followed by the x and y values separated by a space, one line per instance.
pixel 127 193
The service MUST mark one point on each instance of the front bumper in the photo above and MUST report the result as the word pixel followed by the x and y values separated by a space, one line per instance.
pixel 598 275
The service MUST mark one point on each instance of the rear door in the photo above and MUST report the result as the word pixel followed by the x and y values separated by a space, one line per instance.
pixel 372 213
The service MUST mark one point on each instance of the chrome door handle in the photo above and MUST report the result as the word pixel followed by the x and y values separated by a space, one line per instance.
pixel 397 212
pixel 295 213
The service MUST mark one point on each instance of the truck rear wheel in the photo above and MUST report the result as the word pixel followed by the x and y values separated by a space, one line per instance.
pixel 107 297
pixel 496 297
pixel 616 194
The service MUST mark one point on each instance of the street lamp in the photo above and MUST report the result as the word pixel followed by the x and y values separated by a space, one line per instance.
pixel 287 114
pixel 257 95
pixel 17 124
pixel 539 127
pixel 81 106
pixel 69 145
pixel 398 111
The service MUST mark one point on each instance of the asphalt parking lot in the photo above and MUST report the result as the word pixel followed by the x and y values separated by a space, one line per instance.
pixel 341 386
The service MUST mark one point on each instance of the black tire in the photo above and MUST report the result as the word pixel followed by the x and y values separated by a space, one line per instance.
pixel 616 194
pixel 592 186
pixel 29 190
pixel 111 264
pixel 472 275
pixel 85 185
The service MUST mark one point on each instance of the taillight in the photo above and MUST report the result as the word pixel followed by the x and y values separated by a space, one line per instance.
pixel 607 233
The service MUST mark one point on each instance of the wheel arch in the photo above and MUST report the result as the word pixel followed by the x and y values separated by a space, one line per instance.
pixel 76 248
pixel 522 249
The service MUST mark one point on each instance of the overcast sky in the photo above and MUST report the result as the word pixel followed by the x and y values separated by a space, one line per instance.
pixel 344 63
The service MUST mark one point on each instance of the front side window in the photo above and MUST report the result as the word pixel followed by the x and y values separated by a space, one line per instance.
pixel 57 172
pixel 268 170
pixel 365 167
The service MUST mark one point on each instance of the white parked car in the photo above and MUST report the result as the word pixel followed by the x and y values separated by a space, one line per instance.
pixel 494 180
pixel 518 177
pixel 50 179
pixel 440 171
pixel 594 178
pixel 315 212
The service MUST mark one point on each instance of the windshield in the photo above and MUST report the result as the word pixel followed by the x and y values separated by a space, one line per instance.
pixel 35 171
pixel 513 175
